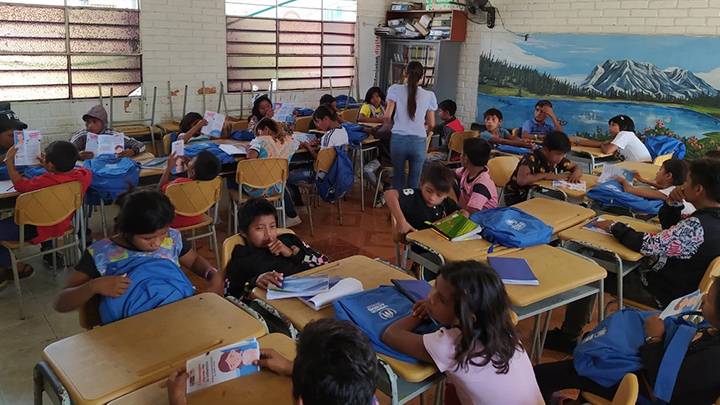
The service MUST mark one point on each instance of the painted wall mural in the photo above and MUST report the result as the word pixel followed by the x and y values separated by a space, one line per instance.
pixel 669 85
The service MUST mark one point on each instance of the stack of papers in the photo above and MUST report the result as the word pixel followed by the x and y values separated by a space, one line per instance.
pixel 292 287
pixel 513 270
pixel 340 287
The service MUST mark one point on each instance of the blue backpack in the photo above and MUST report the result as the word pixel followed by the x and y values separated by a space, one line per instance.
pixel 512 227
pixel 4 175
pixel 515 150
pixel 343 102
pixel 155 282
pixel 374 310
pixel 193 150
pixel 242 135
pixel 663 144
pixel 611 350
pixel 111 176
pixel 303 112
pixel 338 181
pixel 611 193
pixel 354 131
pixel 33 171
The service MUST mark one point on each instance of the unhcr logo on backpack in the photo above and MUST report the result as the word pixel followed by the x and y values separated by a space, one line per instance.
pixel 382 310
pixel 515 224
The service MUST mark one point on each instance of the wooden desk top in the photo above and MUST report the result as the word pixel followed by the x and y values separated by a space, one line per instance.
pixel 596 152
pixel 453 251
pixel 7 190
pixel 108 362
pixel 590 182
pixel 371 274
pixel 262 387
pixel 557 271
pixel 646 170
pixel 608 241
pixel 555 213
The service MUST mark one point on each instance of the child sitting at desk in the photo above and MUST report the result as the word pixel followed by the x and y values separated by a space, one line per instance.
pixel 537 128
pixel 96 122
pixel 671 174
pixel 677 257
pixel 9 123
pixel 541 164
pixel 266 256
pixel 480 351
pixel 497 135
pixel 59 162
pixel 335 365
pixel 625 143
pixel 142 232
pixel 373 108
pixel 450 124
pixel 477 190
pixel 204 167
pixel 263 108
pixel 190 127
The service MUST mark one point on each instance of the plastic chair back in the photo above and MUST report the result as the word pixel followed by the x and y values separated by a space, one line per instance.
pixel 712 271
pixel 501 169
pixel 428 141
pixel 350 115
pixel 234 240
pixel 627 393
pixel 517 132
pixel 325 160
pixel 166 143
pixel 194 197
pixel 302 124
pixel 262 173
pixel 241 125
pixel 48 206
pixel 658 161
pixel 455 144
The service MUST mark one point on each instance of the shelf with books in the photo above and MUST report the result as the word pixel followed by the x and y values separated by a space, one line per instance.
pixel 457 18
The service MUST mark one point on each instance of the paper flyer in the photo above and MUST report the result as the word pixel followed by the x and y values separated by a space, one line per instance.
pixel 29 148
pixel 581 186
pixel 105 144
pixel 590 226
pixel 610 170
pixel 215 124
pixel 690 302
pixel 223 364
pixel 284 112
pixel 178 148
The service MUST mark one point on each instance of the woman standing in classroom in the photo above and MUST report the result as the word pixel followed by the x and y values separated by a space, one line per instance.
pixel 414 109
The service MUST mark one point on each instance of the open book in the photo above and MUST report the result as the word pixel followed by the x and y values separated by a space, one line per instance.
pixel 581 186
pixel 284 112
pixel 609 171
pixel 105 144
pixel 456 227
pixel 307 286
pixel 223 364
pixel 690 302
pixel 339 287
pixel 28 148
pixel 215 124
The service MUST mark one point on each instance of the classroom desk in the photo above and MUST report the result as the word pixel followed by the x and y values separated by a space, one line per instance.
pixel 558 214
pixel 370 124
pixel 563 277
pixel 590 180
pixel 646 170
pixel 108 362
pixel 414 378
pixel 590 156
pixel 607 249
pixel 262 387
pixel 7 190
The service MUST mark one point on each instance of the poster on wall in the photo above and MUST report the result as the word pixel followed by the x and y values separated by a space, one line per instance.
pixel 669 85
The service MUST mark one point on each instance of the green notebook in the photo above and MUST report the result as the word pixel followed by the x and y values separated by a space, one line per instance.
pixel 457 228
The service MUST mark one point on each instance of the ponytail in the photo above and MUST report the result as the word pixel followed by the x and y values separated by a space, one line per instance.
pixel 414 72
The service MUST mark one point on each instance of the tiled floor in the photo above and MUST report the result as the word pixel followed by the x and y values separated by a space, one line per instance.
pixel 22 342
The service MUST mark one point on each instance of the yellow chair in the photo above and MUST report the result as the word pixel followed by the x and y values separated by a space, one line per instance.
pixel 166 143
pixel 517 132
pixel 350 115
pixel 455 144
pixel 501 169
pixel 659 160
pixel 389 169
pixel 258 174
pixel 241 125
pixel 302 124
pixel 196 198
pixel 626 394
pixel 234 240
pixel 323 163
pixel 167 127
pixel 45 207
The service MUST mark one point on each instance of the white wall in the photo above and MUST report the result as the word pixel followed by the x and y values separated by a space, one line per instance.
pixel 182 41
pixel 641 17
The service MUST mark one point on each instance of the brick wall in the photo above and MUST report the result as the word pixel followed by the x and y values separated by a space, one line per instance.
pixel 642 17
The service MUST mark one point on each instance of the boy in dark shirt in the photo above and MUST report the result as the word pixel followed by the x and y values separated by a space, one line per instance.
pixel 266 256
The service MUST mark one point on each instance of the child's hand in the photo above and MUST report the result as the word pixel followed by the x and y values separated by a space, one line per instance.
pixel 403 227
pixel 278 248
pixel 176 384
pixel 574 177
pixel 201 123
pixel 10 155
pixel 85 155
pixel 111 286
pixel 654 327
pixel 637 175
pixel 677 195
pixel 127 153
pixel 172 160
pixel 271 359
pixel 270 113
pixel 622 180
pixel 420 309
pixel 271 277
pixel 604 225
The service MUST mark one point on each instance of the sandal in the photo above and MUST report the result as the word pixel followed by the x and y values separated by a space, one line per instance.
pixel 23 272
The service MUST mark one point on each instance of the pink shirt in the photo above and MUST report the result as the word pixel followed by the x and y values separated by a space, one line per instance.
pixel 482 385
pixel 479 193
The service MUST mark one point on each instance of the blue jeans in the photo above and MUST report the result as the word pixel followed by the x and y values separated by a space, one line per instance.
pixel 411 149
pixel 9 230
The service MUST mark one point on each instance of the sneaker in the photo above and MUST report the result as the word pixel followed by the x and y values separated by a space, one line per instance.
pixel 380 201
pixel 292 221
pixel 48 259
pixel 560 341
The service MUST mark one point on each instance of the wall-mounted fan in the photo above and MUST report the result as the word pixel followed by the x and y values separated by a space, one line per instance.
pixel 474 7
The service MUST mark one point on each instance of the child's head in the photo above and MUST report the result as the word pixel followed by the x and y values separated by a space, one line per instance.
pixel 335 365
pixel 673 172
pixel 258 222
pixel 205 166
pixel 261 106
pixel 476 152
pixel 556 145
pixel 621 123
pixel 435 183
pixel 60 157
pixel 447 109
pixel 712 154
pixel 325 117
pixel 703 182
pixel 470 295
pixel 374 96
pixel 493 119
pixel 540 113
pixel 330 100
pixel 9 123
pixel 268 127
pixel 96 119
pixel 144 218
pixel 189 120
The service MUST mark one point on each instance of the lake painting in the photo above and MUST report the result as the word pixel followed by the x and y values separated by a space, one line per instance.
pixel 667 84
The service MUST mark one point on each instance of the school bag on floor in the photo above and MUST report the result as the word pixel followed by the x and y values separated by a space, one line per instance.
pixel 374 310
pixel 611 193
pixel 155 282
pixel 194 149
pixel 611 350
pixel 338 181
pixel 515 150
pixel 111 176
pixel 512 227
pixel 663 144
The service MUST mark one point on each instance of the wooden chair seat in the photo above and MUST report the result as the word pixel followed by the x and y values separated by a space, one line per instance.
pixel 15 244
pixel 235 196
pixel 169 126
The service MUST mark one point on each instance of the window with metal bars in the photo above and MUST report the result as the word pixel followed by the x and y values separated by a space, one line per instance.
pixel 54 51
pixel 304 44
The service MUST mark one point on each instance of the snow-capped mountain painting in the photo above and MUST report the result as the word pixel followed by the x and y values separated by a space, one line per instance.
pixel 666 82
